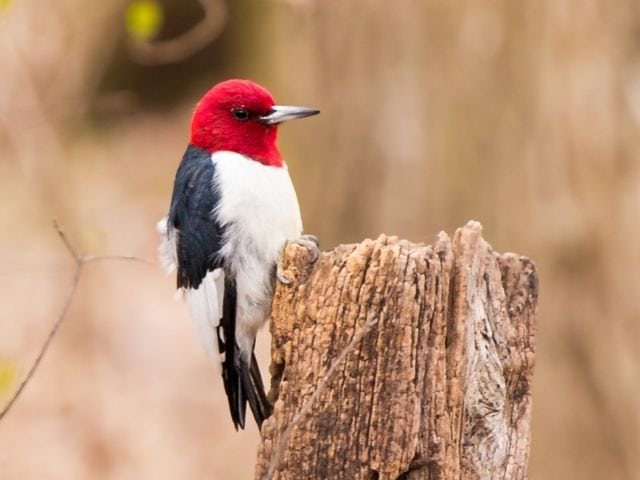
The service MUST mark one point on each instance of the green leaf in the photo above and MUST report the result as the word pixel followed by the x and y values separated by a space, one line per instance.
pixel 8 376
pixel 143 19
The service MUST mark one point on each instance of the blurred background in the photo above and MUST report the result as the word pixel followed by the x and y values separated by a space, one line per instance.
pixel 522 115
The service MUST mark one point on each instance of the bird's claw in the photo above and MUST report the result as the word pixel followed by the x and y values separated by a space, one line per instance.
pixel 310 242
pixel 281 276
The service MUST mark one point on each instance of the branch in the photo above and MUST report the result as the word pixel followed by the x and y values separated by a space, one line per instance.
pixel 184 46
pixel 80 261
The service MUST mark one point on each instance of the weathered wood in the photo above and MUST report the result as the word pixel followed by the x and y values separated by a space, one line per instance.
pixel 436 382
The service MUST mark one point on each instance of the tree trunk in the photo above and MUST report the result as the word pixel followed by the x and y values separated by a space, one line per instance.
pixel 399 360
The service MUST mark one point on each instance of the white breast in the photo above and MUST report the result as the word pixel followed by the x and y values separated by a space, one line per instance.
pixel 258 204
pixel 258 199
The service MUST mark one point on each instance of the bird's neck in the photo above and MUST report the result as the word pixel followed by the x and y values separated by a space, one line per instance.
pixel 258 146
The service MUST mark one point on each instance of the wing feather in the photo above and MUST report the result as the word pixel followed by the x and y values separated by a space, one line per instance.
pixel 206 311
pixel 193 239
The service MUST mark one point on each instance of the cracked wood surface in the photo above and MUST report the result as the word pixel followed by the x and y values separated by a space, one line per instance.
pixel 437 386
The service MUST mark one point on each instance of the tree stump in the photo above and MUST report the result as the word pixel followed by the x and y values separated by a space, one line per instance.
pixel 399 360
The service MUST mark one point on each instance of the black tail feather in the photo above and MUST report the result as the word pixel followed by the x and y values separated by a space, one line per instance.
pixel 233 389
pixel 226 343
pixel 253 390
pixel 259 386
pixel 241 378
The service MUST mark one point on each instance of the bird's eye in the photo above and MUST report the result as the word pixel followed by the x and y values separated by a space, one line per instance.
pixel 240 114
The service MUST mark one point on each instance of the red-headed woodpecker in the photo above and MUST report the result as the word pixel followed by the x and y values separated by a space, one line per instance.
pixel 232 211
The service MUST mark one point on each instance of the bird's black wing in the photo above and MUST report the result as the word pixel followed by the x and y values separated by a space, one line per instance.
pixel 199 237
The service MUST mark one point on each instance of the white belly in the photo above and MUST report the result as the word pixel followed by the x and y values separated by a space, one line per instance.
pixel 260 209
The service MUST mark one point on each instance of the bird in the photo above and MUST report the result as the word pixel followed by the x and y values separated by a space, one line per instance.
pixel 232 211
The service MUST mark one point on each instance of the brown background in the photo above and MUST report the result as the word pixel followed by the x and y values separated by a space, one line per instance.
pixel 522 115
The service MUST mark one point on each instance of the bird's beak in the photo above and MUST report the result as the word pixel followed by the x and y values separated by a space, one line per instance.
pixel 280 113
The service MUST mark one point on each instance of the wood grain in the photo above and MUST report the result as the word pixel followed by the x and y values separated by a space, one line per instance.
pixel 399 360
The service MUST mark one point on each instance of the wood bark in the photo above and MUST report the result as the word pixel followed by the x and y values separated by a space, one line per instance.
pixel 399 360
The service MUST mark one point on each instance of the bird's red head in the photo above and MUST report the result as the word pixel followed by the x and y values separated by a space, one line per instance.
pixel 241 116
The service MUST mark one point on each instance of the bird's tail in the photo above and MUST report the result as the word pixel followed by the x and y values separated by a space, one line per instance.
pixel 243 383
pixel 240 375
pixel 252 390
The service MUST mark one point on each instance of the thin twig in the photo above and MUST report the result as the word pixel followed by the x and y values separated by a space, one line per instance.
pixel 284 438
pixel 54 328
pixel 99 258
pixel 45 345
pixel 66 242
pixel 80 261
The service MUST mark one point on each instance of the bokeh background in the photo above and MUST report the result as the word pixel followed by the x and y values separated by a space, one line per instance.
pixel 522 115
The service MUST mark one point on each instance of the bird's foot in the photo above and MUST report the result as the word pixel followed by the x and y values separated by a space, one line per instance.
pixel 282 278
pixel 310 242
